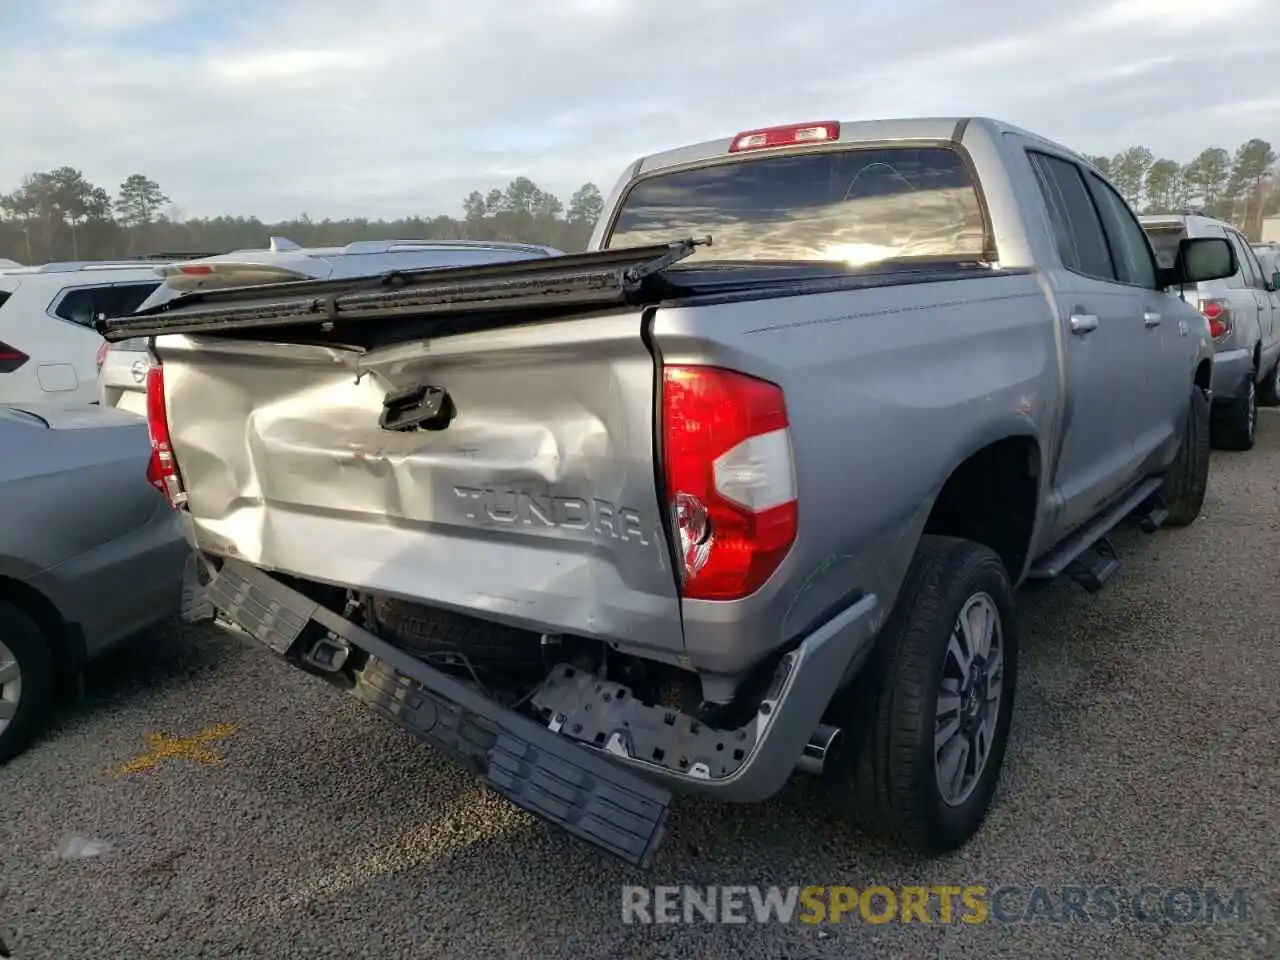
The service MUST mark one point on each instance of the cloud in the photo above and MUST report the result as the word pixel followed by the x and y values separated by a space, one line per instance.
pixel 111 16
pixel 381 107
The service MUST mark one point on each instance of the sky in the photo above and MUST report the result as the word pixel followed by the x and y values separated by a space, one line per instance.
pixel 385 108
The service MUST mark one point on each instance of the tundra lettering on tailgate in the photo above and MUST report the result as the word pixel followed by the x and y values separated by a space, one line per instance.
pixel 493 505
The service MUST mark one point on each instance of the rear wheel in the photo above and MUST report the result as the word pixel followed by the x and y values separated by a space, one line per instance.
pixel 929 720
pixel 26 680
pixel 1235 426
pixel 1188 478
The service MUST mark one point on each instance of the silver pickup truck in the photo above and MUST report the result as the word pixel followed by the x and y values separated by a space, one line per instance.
pixel 744 489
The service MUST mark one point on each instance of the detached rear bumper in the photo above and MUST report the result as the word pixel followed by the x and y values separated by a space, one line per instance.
pixel 600 789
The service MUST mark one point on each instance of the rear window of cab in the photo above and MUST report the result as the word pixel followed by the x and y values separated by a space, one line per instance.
pixel 856 206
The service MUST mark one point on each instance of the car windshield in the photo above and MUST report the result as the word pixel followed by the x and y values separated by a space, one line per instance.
pixel 1164 241
pixel 854 206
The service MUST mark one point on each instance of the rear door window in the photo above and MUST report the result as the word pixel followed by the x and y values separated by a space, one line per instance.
pixel 1246 277
pixel 1252 268
pixel 855 206
pixel 1077 227
pixel 1129 246
pixel 83 305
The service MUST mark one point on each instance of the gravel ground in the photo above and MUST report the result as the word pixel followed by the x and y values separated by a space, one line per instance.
pixel 1145 751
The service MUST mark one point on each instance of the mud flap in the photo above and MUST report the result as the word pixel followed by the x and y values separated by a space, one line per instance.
pixel 557 780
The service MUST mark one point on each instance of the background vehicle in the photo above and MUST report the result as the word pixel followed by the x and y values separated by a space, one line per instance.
pixel 715 512
pixel 1269 257
pixel 90 555
pixel 122 375
pixel 48 346
pixel 1243 312
pixel 122 367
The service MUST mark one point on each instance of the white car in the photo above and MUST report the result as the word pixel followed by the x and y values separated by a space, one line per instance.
pixel 48 345
pixel 122 367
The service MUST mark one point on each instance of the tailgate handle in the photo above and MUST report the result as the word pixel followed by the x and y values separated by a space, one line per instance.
pixel 416 408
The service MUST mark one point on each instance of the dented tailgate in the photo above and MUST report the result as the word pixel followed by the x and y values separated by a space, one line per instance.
pixel 536 504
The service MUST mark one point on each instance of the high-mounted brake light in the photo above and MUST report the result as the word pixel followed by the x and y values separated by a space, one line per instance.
pixel 162 469
pixel 730 479
pixel 196 269
pixel 793 135
pixel 1218 313
pixel 11 358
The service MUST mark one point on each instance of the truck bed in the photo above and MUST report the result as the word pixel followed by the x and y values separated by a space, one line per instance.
pixel 539 503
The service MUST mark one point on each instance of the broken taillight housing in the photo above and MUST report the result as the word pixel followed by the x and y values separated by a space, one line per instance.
pixel 730 479
pixel 162 469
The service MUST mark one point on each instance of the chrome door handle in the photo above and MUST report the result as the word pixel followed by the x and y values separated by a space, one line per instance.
pixel 1151 319
pixel 1083 322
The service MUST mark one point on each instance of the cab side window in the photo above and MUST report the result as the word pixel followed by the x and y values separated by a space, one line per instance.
pixel 1241 279
pixel 1130 247
pixel 1249 263
pixel 1081 243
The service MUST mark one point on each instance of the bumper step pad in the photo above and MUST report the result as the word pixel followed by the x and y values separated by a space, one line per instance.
pixel 557 780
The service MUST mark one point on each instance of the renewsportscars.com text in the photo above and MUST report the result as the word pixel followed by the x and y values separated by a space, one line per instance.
pixel 941 904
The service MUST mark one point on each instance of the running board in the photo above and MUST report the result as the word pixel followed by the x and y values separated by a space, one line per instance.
pixel 1144 501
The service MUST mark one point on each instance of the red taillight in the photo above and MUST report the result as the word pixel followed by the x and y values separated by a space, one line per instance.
pixel 162 470
pixel 792 135
pixel 1219 316
pixel 101 358
pixel 11 358
pixel 730 479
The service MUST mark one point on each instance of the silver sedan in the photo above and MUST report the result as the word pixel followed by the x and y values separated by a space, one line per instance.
pixel 90 553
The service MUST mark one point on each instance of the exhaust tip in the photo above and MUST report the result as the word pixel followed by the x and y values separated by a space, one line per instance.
pixel 819 751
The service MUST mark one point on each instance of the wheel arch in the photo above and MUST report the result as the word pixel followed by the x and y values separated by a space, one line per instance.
pixel 992 497
pixel 1203 376
pixel 65 643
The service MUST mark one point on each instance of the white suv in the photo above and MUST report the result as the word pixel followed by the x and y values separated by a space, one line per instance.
pixel 1243 313
pixel 123 366
pixel 48 346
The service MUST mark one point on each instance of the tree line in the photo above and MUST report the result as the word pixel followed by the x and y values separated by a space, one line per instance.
pixel 59 214
pixel 1242 188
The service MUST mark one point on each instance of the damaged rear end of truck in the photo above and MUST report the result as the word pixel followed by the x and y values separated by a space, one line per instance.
pixel 560 518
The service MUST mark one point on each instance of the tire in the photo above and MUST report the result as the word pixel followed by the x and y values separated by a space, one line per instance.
pixel 1235 427
pixel 1188 477
pixel 422 629
pixel 892 785
pixel 25 657
pixel 1269 392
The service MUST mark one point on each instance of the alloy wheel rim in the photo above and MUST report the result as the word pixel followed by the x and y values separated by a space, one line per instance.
pixel 10 686
pixel 1253 408
pixel 968 705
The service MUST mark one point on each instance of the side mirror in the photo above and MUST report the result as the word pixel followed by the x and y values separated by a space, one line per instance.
pixel 1200 259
